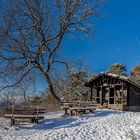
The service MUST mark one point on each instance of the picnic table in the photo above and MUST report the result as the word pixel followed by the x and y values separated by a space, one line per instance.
pixel 77 107
pixel 24 113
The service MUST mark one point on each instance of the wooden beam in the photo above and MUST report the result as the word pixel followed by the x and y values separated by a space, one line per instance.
pixel 122 98
pixel 108 95
pixel 128 94
pixel 101 92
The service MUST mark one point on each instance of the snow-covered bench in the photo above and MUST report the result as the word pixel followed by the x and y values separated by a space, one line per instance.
pixel 78 107
pixel 24 113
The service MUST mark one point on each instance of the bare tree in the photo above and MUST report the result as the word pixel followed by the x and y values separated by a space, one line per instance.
pixel 9 98
pixel 26 88
pixel 32 32
pixel 70 83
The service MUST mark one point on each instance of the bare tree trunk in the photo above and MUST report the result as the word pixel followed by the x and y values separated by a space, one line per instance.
pixel 51 88
pixel 25 99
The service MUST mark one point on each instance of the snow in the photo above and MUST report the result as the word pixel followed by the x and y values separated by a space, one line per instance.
pixel 101 125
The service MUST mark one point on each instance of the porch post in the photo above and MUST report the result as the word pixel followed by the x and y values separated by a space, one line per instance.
pixel 122 99
pixel 101 92
pixel 91 93
pixel 127 95
pixel 108 96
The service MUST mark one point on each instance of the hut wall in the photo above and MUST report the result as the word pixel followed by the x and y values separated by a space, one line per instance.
pixel 131 108
pixel 94 92
pixel 134 98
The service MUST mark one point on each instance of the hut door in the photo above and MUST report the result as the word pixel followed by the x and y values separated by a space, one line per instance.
pixel 105 96
pixel 111 96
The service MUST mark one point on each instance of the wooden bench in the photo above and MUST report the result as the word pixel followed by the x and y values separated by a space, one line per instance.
pixel 24 113
pixel 77 107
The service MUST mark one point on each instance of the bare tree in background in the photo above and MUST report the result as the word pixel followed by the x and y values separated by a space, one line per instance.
pixel 9 97
pixel 19 93
pixel 26 89
pixel 32 31
pixel 70 83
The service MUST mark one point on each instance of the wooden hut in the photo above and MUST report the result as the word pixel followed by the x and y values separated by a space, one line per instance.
pixel 114 92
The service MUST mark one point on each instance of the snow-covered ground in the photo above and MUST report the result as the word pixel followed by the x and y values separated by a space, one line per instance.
pixel 100 125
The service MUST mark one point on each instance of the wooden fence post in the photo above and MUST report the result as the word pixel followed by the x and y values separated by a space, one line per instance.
pixel 12 119
pixel 37 118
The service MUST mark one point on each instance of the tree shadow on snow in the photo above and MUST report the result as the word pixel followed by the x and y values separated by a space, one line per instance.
pixel 106 112
pixel 54 123
pixel 68 122
pixel 101 113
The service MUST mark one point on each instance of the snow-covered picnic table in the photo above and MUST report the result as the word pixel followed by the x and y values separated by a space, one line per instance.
pixel 77 107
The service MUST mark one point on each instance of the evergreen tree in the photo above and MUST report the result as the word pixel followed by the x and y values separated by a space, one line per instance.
pixel 118 69
pixel 135 73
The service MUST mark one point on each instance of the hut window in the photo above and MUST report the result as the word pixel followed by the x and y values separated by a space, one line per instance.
pixel 111 101
pixel 111 92
pixel 98 92
pixel 98 96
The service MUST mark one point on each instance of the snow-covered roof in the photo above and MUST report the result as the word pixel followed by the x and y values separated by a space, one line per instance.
pixel 123 78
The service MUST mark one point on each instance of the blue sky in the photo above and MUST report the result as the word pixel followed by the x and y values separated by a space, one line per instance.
pixel 114 38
